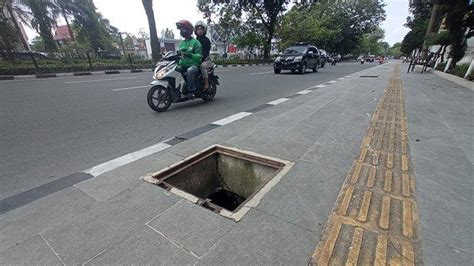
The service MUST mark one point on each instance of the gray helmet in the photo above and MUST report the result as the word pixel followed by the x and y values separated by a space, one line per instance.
pixel 202 24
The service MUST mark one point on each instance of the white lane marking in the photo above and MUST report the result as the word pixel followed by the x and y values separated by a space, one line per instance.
pixel 261 73
pixel 320 86
pixel 341 78
pixel 331 82
pixel 96 80
pixel 304 91
pixel 348 76
pixel 231 118
pixel 126 159
pixel 281 100
pixel 131 88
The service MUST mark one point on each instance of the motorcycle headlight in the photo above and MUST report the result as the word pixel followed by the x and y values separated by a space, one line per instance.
pixel 159 74
pixel 278 59
pixel 298 59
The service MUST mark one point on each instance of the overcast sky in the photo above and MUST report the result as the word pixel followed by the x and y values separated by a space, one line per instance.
pixel 129 16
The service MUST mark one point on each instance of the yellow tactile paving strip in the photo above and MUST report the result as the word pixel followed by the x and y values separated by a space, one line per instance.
pixel 375 220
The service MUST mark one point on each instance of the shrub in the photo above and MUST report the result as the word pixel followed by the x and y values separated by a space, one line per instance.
pixel 460 70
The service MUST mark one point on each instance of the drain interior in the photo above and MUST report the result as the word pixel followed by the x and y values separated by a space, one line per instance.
pixel 221 178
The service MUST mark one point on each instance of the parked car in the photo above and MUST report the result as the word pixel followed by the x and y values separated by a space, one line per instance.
pixel 299 57
pixel 324 58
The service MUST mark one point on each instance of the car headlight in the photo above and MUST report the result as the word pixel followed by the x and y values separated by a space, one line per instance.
pixel 278 59
pixel 298 59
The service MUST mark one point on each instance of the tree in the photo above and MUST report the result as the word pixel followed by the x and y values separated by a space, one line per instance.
pixel 459 18
pixel 265 14
pixel 338 27
pixel 395 50
pixel 8 38
pixel 225 20
pixel 92 29
pixel 37 44
pixel 66 8
pixel 42 20
pixel 14 11
pixel 155 45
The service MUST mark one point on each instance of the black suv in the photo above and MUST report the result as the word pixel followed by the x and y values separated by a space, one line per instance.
pixel 298 57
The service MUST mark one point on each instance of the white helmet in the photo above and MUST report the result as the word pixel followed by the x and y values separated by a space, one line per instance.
pixel 202 24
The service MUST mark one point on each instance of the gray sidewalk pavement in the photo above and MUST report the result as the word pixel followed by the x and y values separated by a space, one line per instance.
pixel 441 129
pixel 117 218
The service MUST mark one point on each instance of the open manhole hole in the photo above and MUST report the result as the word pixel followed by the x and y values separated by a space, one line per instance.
pixel 226 180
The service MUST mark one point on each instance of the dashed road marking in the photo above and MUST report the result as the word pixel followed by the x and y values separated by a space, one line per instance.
pixel 278 101
pixel 97 80
pixel 231 119
pixel 131 88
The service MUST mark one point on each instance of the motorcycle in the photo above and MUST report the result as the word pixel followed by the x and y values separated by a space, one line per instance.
pixel 169 85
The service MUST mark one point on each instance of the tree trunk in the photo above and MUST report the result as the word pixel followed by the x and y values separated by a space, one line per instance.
pixel 268 43
pixel 69 27
pixel 23 41
pixel 155 45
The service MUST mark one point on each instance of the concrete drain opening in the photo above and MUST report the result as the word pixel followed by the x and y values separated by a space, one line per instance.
pixel 228 181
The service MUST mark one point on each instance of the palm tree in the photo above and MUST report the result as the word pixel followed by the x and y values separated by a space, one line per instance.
pixel 14 12
pixel 155 45
pixel 66 8
pixel 42 19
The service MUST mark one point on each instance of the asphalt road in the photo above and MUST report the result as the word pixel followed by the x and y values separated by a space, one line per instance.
pixel 56 127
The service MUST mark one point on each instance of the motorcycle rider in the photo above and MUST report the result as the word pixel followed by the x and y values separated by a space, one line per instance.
pixel 191 50
pixel 200 29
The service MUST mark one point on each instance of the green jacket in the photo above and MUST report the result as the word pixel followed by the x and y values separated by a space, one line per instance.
pixel 192 53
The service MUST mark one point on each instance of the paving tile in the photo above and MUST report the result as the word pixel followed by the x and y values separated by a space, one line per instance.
pixel 23 223
pixel 260 239
pixel 192 227
pixel 435 253
pixel 305 195
pixel 336 152
pixel 92 231
pixel 33 251
pixel 144 247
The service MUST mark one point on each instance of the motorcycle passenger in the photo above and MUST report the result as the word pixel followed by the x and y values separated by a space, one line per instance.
pixel 200 29
pixel 191 50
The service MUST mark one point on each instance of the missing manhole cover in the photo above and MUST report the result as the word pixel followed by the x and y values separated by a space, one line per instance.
pixel 228 181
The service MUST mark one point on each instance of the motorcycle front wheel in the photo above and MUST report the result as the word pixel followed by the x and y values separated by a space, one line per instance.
pixel 159 98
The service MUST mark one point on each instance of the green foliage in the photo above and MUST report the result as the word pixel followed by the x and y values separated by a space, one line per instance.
pixel 460 70
pixel 441 66
pixel 91 27
pixel 26 67
pixel 42 18
pixel 459 17
pixel 338 27
pixel 8 38
pixel 410 42
pixel 303 25
pixel 395 50
pixel 263 16
pixel 37 44
pixel 441 38
pixel 371 44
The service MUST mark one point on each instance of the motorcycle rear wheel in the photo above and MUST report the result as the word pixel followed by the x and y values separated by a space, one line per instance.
pixel 210 93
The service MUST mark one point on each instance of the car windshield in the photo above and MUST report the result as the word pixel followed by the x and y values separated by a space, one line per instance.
pixel 296 50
